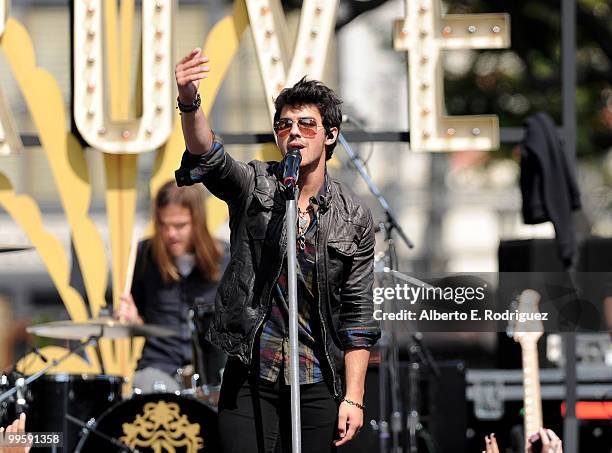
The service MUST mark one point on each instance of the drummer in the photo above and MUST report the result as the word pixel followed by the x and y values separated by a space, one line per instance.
pixel 180 264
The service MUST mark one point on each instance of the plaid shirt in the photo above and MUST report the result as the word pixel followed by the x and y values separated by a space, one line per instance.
pixel 274 340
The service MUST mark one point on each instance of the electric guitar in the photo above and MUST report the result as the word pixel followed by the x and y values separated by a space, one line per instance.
pixel 527 334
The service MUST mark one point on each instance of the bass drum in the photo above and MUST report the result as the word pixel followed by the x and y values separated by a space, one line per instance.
pixel 157 422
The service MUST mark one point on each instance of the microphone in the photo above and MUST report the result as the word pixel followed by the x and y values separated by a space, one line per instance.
pixel 291 169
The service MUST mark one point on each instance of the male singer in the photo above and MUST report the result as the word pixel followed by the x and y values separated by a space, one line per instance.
pixel 335 251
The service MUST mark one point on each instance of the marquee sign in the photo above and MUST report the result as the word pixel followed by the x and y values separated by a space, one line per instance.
pixel 424 34
pixel 91 112
pixel 315 31
pixel 9 141
pixel 3 15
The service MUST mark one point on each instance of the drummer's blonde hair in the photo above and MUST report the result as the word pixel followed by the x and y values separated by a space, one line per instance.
pixel 207 250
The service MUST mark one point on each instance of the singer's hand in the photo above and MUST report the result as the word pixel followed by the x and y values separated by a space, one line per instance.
pixel 350 421
pixel 127 310
pixel 188 72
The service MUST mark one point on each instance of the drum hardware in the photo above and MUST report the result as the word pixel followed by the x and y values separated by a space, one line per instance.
pixel 194 381
pixel 89 428
pixel 91 341
pixel 202 379
pixel 159 387
pixel 20 403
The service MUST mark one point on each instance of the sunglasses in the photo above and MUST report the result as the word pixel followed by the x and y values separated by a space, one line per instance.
pixel 308 127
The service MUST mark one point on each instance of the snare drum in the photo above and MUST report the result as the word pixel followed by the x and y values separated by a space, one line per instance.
pixel 158 422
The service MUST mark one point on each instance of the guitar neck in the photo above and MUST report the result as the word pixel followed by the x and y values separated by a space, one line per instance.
pixel 531 386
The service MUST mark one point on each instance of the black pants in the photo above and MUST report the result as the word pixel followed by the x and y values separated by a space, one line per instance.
pixel 255 414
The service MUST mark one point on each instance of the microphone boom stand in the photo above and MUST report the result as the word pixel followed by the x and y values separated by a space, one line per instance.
pixel 388 345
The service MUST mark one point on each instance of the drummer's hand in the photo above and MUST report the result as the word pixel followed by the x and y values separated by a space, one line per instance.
pixel 127 310
pixel 17 427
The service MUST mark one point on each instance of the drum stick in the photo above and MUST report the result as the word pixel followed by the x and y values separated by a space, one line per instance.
pixel 129 272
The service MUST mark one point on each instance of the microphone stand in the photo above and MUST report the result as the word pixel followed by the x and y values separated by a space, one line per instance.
pixel 291 193
pixel 389 356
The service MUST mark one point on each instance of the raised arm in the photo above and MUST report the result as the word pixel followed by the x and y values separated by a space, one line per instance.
pixel 205 160
pixel 196 130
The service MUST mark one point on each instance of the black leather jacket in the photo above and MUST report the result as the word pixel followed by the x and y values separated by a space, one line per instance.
pixel 344 251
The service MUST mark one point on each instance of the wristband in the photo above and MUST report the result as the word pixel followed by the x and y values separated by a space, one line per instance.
pixel 354 403
pixel 188 108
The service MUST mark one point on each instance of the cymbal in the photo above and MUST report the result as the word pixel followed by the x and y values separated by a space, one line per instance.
pixel 104 327
pixel 5 248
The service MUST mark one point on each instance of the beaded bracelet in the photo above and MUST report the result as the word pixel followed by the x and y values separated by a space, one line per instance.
pixel 353 403
pixel 187 108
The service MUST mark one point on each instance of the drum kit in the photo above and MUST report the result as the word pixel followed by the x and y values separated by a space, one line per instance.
pixel 92 414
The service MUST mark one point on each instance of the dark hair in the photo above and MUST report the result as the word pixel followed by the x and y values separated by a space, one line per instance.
pixel 313 92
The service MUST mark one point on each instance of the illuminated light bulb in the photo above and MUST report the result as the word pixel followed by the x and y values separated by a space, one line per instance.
pixel 448 30
pixel 279 86
pixel 159 109
pixel 125 135
pixel 159 83
pixel 159 56
pixel 91 60
pixel 472 29
pixel 404 32
pixel 159 33
pixel 318 10
pixel 424 86
pixel 274 60
pixel 269 34
pixel 423 33
pixel 148 132
pixel 451 131
pixel 476 132
pixel 314 33
pixel 264 10
pixel 102 131
pixel 159 5
pixel 424 59
pixel 90 113
pixel 423 9
pixel 308 61
pixel 91 10
pixel 91 34
pixel 425 111
pixel 426 135
pixel 91 87
pixel 496 29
